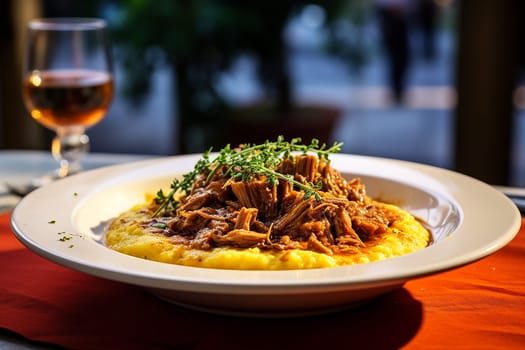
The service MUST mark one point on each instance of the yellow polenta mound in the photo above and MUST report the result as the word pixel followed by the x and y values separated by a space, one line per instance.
pixel 275 206
pixel 128 234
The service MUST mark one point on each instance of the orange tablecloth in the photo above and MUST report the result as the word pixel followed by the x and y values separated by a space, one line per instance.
pixel 479 306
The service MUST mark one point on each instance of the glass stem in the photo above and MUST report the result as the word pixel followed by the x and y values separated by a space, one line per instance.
pixel 69 146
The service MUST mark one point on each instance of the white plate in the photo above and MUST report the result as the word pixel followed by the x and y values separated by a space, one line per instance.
pixel 63 222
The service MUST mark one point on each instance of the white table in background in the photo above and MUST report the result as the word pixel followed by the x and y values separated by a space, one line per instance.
pixel 20 167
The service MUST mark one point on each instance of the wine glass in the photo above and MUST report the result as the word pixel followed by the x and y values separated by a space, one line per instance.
pixel 67 83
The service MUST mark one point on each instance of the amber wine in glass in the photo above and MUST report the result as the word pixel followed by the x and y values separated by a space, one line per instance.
pixel 68 82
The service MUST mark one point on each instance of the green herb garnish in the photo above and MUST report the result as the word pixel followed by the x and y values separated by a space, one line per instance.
pixel 245 163
pixel 159 225
pixel 64 236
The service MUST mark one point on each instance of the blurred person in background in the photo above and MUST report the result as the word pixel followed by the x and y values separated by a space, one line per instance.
pixel 426 13
pixel 393 17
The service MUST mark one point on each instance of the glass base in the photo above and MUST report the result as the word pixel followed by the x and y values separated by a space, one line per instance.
pixel 68 149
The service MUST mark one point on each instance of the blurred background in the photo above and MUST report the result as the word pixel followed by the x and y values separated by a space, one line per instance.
pixel 431 81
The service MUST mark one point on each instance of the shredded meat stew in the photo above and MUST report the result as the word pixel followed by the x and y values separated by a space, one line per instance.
pixel 233 213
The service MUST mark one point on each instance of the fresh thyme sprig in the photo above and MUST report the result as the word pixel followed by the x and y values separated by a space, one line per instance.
pixel 245 163
pixel 168 202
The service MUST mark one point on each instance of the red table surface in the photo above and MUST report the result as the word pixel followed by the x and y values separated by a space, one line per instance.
pixel 479 306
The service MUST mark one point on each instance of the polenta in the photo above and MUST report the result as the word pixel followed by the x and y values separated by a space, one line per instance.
pixel 128 234
pixel 264 207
